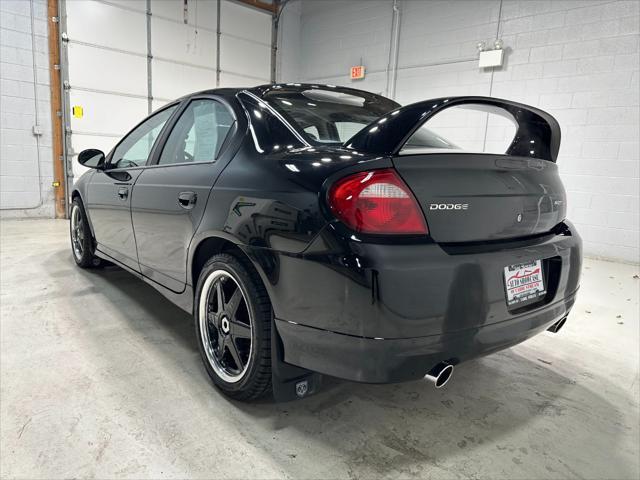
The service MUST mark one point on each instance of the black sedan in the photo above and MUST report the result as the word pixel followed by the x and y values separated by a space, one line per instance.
pixel 317 230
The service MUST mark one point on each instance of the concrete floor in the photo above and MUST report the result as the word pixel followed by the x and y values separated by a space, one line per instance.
pixel 100 377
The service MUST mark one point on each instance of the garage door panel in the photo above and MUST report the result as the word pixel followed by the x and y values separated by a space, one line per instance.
pixel 156 104
pixel 245 22
pixel 230 80
pixel 101 142
pixel 172 80
pixel 244 57
pixel 183 43
pixel 108 114
pixel 107 53
pixel 139 5
pixel 101 24
pixel 203 14
pixel 99 69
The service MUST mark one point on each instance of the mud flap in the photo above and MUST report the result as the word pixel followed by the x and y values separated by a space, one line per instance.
pixel 289 382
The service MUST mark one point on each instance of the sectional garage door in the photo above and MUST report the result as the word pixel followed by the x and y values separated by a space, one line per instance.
pixel 126 58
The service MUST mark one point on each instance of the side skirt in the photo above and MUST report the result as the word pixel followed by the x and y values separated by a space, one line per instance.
pixel 184 300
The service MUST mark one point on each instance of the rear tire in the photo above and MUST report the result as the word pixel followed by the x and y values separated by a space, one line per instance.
pixel 233 326
pixel 82 247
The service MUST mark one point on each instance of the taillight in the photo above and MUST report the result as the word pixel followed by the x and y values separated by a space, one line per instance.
pixel 377 202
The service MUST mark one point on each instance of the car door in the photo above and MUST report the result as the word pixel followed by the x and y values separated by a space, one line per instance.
pixel 108 199
pixel 169 197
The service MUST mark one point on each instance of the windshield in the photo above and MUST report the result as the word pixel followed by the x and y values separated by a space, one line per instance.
pixel 328 116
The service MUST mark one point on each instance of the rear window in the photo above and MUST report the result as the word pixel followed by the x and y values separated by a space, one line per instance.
pixel 468 127
pixel 326 116
pixel 424 139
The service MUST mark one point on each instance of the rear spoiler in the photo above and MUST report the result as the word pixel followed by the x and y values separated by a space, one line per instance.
pixel 537 132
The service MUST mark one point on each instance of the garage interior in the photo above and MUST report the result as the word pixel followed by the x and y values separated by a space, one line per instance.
pixel 100 375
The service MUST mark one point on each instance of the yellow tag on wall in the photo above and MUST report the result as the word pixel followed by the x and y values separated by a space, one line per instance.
pixel 77 111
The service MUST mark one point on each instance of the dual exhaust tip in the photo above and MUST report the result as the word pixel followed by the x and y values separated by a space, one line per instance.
pixel 555 328
pixel 441 373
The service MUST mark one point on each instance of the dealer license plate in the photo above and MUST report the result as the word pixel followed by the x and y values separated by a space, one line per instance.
pixel 524 282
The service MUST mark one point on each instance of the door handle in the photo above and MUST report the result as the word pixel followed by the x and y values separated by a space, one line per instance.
pixel 187 200
pixel 123 193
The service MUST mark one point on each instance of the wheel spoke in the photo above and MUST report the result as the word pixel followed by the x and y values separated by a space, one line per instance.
pixel 232 305
pixel 220 296
pixel 233 350
pixel 213 319
pixel 219 345
pixel 240 330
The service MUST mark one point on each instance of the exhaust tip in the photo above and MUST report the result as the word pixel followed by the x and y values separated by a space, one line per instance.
pixel 440 374
pixel 555 328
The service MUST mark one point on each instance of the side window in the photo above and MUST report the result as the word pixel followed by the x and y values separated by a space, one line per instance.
pixel 134 150
pixel 198 133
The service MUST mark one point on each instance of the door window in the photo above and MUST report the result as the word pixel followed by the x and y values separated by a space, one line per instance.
pixel 198 134
pixel 134 149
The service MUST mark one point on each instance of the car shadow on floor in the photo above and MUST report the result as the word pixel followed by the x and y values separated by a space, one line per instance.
pixel 390 429
pixel 144 303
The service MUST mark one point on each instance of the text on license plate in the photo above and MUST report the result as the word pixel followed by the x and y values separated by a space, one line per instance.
pixel 524 281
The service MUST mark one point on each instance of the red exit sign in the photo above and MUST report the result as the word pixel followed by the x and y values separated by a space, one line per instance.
pixel 357 72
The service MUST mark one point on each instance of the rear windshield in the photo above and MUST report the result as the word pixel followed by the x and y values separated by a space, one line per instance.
pixel 326 116
pixel 424 139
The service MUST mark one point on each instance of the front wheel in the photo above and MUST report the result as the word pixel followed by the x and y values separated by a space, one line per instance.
pixel 81 240
pixel 233 326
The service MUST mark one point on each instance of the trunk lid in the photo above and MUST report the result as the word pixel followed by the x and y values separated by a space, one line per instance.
pixel 469 197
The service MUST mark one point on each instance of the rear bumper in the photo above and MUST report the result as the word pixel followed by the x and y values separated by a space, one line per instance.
pixel 383 313
pixel 395 360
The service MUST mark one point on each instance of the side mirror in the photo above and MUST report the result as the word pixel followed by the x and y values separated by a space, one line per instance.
pixel 91 158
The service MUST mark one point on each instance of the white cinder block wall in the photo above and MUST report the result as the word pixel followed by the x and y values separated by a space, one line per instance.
pixel 577 59
pixel 26 165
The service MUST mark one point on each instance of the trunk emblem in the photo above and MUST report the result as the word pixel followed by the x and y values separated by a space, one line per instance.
pixel 519 218
pixel 448 206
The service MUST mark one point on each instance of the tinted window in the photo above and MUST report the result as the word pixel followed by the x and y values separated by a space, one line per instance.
pixel 468 127
pixel 346 130
pixel 198 134
pixel 270 133
pixel 328 115
pixel 134 149
pixel 424 138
